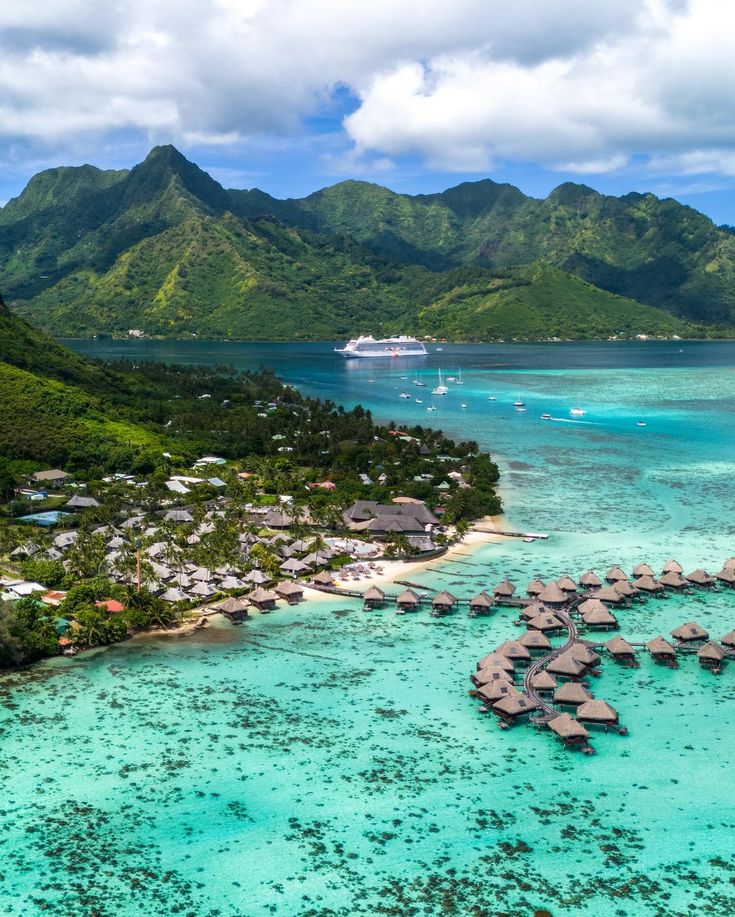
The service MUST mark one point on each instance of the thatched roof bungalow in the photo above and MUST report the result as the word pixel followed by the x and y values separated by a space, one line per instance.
pixel 535 641
pixel 701 578
pixel 711 655
pixel 590 580
pixel 546 622
pixel 642 570
pixel 408 600
pixel 543 682
pixel 610 594
pixel 691 632
pixel 374 598
pixel 673 580
pixel 496 661
pixel 553 596
pixel 661 650
pixel 726 575
pixel 597 711
pixel 728 640
pixel 495 691
pixel 596 614
pixel 535 587
pixel 263 599
pixel 620 650
pixel 571 694
pixel 323 578
pixel 481 604
pixel 646 583
pixel 566 666
pixel 584 654
pixel 515 706
pixel 672 566
pixel 487 675
pixel 504 590
pixel 443 603
pixel 290 591
pixel 616 574
pixel 567 584
pixel 569 730
pixel 514 650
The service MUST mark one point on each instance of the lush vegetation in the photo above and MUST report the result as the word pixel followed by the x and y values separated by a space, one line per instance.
pixel 165 249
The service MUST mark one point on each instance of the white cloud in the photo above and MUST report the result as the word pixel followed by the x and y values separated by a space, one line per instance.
pixel 569 84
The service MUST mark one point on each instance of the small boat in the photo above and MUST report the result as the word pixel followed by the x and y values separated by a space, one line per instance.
pixel 491 398
pixel 521 410
pixel 546 417
pixel 577 412
pixel 451 378
pixel 404 378
pixel 439 349
pixel 459 380
pixel 417 381
pixel 419 401
pixel 431 408
pixel 441 389
pixel 519 404
pixel 463 405
pixel 641 423
pixel 404 395
pixel 528 539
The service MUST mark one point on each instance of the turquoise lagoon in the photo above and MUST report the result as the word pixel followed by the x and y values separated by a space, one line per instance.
pixel 325 761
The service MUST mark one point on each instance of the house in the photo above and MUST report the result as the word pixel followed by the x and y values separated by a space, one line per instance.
pixel 382 518
pixel 78 502
pixel 54 477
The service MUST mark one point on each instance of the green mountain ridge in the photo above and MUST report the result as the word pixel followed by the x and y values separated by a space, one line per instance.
pixel 165 249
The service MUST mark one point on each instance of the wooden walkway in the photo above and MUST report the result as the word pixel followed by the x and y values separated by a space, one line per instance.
pixel 539 664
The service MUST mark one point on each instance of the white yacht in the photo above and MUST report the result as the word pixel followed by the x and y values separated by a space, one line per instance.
pixel 368 346
pixel 577 412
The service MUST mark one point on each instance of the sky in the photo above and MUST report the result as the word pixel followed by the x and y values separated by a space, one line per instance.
pixel 417 95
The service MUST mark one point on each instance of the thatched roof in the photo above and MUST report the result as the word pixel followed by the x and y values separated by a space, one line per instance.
pixel 495 691
pixel 673 579
pixel 534 640
pixel 609 594
pixel 700 577
pixel 289 588
pixel 444 598
pixel 672 566
pixel 232 606
pixel 571 692
pixel 643 570
pixel 729 639
pixel 374 595
pixel 262 596
pixel 566 727
pixel 619 647
pixel 513 650
pixel 590 580
pixel 486 675
pixel 659 646
pixel 495 661
pixel 481 600
pixel 553 595
pixel 547 621
pixel 531 610
pixel 535 586
pixel 566 665
pixel 646 583
pixel 726 575
pixel 542 681
pixel 583 654
pixel 408 597
pixel 597 711
pixel 615 574
pixel 566 584
pixel 711 652
pixel 516 704
pixel 599 616
pixel 504 589
pixel 690 631
pixel 624 588
pixel 590 605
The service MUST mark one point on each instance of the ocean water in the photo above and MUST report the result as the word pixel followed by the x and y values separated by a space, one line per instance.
pixel 326 761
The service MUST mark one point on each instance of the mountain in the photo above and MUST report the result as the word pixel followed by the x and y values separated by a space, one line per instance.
pixel 166 249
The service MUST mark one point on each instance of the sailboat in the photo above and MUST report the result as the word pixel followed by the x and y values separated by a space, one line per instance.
pixel 459 380
pixel 417 380
pixel 441 389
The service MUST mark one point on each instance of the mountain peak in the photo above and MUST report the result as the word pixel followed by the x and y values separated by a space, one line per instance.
pixel 164 163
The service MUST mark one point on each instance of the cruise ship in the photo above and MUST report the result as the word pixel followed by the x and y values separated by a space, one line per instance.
pixel 403 346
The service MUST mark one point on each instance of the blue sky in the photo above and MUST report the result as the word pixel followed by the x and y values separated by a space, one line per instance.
pixel 418 95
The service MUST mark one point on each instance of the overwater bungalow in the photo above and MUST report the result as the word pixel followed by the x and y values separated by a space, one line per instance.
pixel 621 651
pixel 504 590
pixel 514 707
pixel 597 615
pixel 263 599
pixel 443 604
pixel 584 654
pixel 486 675
pixel 535 587
pixel 569 730
pixel 711 655
pixel 701 578
pixel 233 608
pixel 571 694
pixel 290 591
pixel 673 580
pixel 481 604
pixel 543 682
pixel 729 640
pixel 408 601
pixel 661 650
pixel 535 641
pixel 726 576
pixel 615 575
pixel 611 595
pixel 642 570
pixel 495 691
pixel 553 596
pixel 672 566
pixel 598 712
pixel 624 588
pixel 374 598
pixel 528 612
pixel 590 580
pixel 515 651
pixel 646 583
pixel 567 584
pixel 566 666
pixel 546 622
pixel 691 633
pixel 496 661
